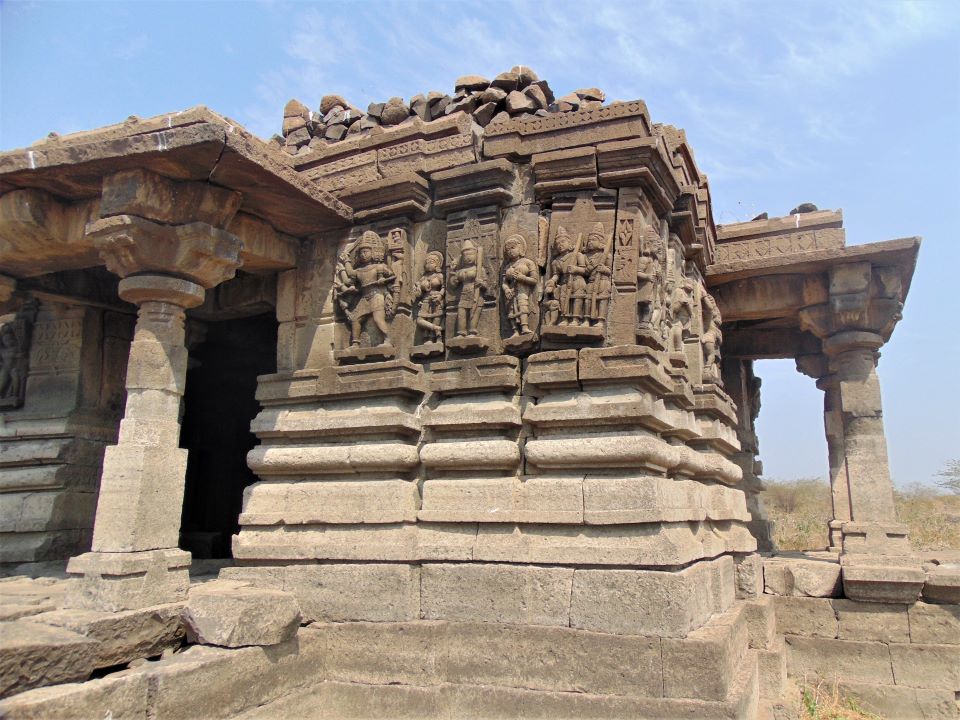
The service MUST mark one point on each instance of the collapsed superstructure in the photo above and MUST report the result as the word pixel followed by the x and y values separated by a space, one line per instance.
pixel 504 398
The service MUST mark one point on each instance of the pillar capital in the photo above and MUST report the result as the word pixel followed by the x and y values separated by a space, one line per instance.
pixel 198 252
pixel 138 289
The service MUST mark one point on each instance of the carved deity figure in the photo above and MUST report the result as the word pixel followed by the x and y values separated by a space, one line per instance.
pixel 566 288
pixel 650 279
pixel 11 376
pixel 467 274
pixel 430 294
pixel 520 278
pixel 599 284
pixel 711 339
pixel 680 299
pixel 361 285
pixel 395 259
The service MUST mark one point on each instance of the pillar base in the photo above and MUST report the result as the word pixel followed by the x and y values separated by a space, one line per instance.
pixel 835 534
pixel 111 582
pixel 878 564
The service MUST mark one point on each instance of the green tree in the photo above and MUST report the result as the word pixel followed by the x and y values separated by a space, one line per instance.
pixel 951 477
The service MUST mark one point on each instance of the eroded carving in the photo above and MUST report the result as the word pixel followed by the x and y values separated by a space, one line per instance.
pixel 520 281
pixel 15 336
pixel 650 290
pixel 711 339
pixel 472 256
pixel 431 295
pixel 598 259
pixel 363 289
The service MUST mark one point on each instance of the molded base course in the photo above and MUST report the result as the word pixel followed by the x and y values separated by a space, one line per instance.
pixel 422 669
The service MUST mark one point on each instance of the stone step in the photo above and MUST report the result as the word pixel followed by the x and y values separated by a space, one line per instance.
pixel 772 669
pixel 34 655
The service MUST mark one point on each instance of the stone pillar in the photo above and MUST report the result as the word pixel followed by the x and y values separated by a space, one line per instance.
pixel 135 561
pixel 839 487
pixel 864 305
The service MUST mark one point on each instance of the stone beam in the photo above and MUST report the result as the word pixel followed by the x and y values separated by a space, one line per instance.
pixel 769 296
pixel 768 343
pixel 40 234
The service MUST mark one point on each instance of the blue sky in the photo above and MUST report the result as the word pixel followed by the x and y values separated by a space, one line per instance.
pixel 847 105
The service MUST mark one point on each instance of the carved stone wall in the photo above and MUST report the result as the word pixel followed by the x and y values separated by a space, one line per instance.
pixel 51 447
pixel 538 431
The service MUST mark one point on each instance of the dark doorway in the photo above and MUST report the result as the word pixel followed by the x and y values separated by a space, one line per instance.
pixel 219 404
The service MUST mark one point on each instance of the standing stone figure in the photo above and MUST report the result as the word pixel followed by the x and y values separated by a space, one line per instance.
pixel 649 280
pixel 711 339
pixel 468 275
pixel 520 278
pixel 15 355
pixel 566 288
pixel 599 273
pixel 395 259
pixel 431 296
pixel 362 283
pixel 680 311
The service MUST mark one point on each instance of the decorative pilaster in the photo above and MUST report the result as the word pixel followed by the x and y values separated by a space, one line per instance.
pixel 135 560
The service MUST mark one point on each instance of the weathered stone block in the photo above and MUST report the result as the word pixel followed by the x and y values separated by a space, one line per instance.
pixel 813 617
pixel 496 593
pixel 761 619
pixel 122 636
pixel 832 659
pixel 801 577
pixel 642 602
pixel 883 584
pixel 900 702
pixel 407 653
pixel 872 621
pixel 772 670
pixel 926 666
pixel 122 697
pixel 558 659
pixel 934 623
pixel 703 664
pixel 33 655
pixel 749 576
pixel 375 592
pixel 220 613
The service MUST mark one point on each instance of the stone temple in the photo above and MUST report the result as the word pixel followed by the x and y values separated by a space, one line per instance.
pixel 459 391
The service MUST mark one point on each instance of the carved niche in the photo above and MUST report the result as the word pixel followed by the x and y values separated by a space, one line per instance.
pixel 372 294
pixel 473 257
pixel 578 283
pixel 15 335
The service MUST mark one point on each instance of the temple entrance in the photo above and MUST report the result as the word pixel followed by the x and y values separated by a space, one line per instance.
pixel 219 405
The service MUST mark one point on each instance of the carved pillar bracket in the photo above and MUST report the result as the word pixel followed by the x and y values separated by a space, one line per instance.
pixel 863 307
pixel 135 560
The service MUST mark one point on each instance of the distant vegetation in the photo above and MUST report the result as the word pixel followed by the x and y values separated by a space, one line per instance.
pixel 801 509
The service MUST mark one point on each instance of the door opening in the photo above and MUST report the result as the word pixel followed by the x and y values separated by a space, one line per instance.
pixel 219 404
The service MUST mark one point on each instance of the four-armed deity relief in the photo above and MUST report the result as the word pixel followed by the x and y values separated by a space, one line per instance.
pixel 430 308
pixel 521 279
pixel 15 334
pixel 363 290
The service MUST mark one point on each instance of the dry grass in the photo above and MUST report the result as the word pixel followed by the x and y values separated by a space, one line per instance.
pixel 800 510
pixel 823 701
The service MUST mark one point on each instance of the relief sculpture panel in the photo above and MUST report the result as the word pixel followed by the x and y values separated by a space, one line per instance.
pixel 578 284
pixel 473 252
pixel 372 295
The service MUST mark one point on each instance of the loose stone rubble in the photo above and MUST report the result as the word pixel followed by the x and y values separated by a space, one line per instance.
pixel 498 360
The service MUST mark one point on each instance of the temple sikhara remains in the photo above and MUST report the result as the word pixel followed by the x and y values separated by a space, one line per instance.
pixel 441 409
